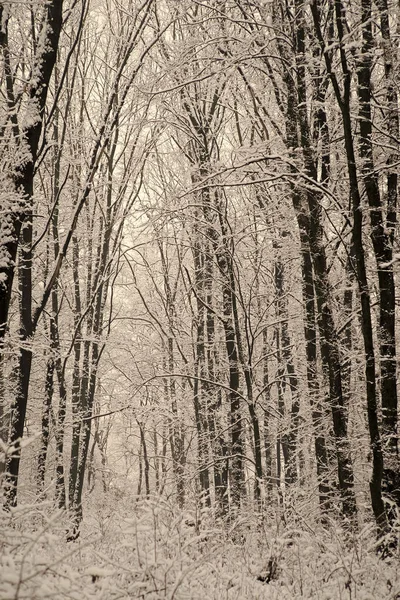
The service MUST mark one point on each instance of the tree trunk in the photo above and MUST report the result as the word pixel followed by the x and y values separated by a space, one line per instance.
pixel 328 336
pixel 382 234
pixel 310 333
pixel 45 433
pixel 343 100
pixel 19 226
pixel 176 432
pixel 268 444
pixel 288 437
pixel 15 218
pixel 199 391
pixel 25 358
pixel 145 460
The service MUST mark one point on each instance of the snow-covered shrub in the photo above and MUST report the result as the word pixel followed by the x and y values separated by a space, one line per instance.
pixel 152 550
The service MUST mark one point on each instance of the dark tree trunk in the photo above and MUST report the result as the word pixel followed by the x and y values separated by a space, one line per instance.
pixel 55 309
pixel 343 100
pixel 25 356
pixel 76 375
pixel 199 389
pixel 245 358
pixel 213 392
pixel 268 444
pixel 310 333
pixel 328 335
pixel 145 460
pixel 23 183
pixel 45 434
pixel 140 478
pixel 237 450
pixel 177 439
pixel 61 414
pixel 202 446
pixel 4 414
pixel 288 437
pixel 87 391
pixel 246 364
pixel 156 460
pixel 87 396
pixel 382 233
pixel 20 230
pixel 315 291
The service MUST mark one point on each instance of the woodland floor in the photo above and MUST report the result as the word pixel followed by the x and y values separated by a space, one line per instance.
pixel 151 550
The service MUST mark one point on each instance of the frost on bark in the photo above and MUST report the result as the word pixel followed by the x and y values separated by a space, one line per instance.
pixel 24 131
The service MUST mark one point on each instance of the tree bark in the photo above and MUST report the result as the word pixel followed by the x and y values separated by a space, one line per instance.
pixel 382 234
pixel 328 335
pixel 288 436
pixel 23 181
pixel 343 100
pixel 45 433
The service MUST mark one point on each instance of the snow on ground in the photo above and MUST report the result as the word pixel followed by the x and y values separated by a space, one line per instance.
pixel 152 550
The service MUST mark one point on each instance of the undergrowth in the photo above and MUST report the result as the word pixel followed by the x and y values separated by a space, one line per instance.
pixel 151 550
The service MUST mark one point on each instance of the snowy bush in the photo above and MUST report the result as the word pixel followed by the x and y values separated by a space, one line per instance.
pixel 153 550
